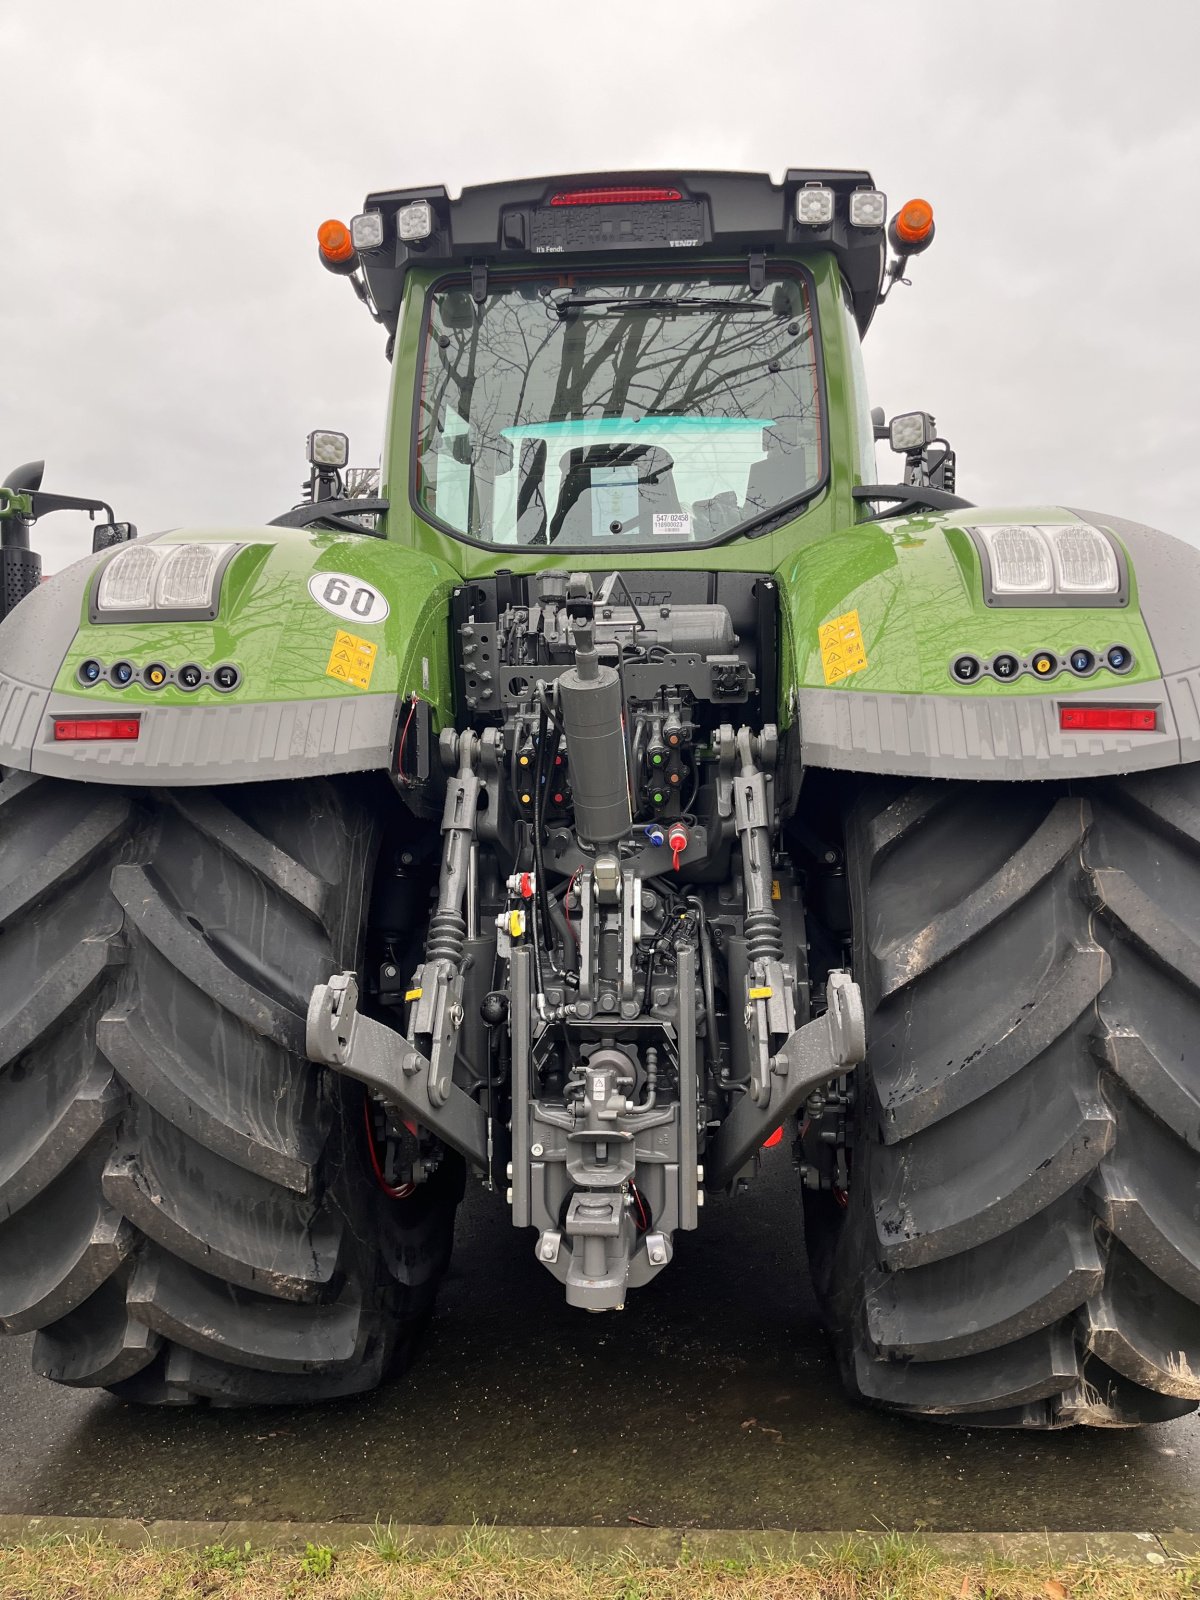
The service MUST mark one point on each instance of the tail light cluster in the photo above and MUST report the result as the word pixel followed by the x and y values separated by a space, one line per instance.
pixel 1108 719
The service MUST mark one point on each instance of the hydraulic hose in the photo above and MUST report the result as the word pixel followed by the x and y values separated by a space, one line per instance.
pixel 558 916
pixel 708 986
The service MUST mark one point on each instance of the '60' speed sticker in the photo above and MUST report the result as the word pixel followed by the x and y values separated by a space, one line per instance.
pixel 352 599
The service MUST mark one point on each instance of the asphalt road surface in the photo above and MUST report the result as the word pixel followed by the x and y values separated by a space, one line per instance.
pixel 710 1401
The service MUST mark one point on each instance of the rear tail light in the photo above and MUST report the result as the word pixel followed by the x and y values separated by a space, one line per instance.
pixel 97 728
pixel 1108 719
pixel 620 196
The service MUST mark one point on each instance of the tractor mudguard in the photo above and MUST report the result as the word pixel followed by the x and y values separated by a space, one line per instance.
pixel 316 642
pixel 903 665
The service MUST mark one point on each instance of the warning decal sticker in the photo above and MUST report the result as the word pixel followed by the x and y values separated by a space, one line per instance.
pixel 352 660
pixel 842 648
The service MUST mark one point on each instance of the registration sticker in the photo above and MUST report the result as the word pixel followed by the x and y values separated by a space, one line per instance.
pixel 352 660
pixel 842 648
pixel 673 524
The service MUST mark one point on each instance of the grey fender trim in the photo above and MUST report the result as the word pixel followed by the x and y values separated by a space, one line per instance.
pixel 234 743
pixel 1167 571
pixel 1001 736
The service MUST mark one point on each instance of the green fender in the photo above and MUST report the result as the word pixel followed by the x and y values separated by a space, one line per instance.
pixel 319 688
pixel 876 615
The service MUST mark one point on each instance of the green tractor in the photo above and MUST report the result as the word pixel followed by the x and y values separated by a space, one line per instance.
pixel 634 782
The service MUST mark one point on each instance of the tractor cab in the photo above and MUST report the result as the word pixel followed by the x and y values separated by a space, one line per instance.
pixel 629 363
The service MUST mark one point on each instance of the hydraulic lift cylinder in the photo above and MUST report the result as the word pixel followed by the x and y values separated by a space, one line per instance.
pixel 590 703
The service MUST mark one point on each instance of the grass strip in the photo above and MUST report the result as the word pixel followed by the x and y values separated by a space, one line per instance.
pixel 486 1564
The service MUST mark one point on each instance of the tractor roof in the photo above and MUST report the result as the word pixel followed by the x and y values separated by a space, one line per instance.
pixel 700 214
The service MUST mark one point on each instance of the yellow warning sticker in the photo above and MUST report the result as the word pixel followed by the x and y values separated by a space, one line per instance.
pixel 842 648
pixel 775 894
pixel 352 659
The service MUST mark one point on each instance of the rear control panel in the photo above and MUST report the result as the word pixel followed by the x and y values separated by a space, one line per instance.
pixel 1005 666
pixel 190 676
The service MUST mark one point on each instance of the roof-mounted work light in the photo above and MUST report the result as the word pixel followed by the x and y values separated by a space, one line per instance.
pixel 414 221
pixel 868 208
pixel 366 230
pixel 814 205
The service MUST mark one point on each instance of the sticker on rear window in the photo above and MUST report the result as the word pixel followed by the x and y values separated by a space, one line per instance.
pixel 673 524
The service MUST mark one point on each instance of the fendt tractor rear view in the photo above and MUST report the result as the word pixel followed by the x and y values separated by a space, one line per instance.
pixel 625 781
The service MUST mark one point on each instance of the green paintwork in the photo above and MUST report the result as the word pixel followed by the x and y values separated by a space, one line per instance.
pixel 275 632
pixel 14 503
pixel 916 586
pixel 914 581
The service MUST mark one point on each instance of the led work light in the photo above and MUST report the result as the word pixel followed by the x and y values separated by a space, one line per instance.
pixel 179 580
pixel 1061 561
pixel 814 205
pixel 868 208
pixel 414 221
pixel 911 431
pixel 328 448
pixel 366 230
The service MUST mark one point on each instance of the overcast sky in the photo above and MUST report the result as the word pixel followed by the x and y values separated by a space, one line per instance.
pixel 168 338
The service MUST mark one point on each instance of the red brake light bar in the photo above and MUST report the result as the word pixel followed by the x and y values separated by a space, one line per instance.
pixel 98 728
pixel 1108 719
pixel 612 197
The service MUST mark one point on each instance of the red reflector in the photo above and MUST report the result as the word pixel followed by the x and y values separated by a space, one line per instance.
pixel 612 197
pixel 776 1138
pixel 1109 719
pixel 98 728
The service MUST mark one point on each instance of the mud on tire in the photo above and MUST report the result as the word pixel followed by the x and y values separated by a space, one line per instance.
pixel 1020 1245
pixel 186 1209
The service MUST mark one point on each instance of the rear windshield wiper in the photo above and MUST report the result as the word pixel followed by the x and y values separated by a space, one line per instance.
pixel 680 302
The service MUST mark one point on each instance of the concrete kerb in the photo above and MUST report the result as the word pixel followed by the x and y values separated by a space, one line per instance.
pixel 649 1545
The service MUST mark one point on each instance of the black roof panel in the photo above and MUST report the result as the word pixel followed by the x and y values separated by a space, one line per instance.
pixel 715 214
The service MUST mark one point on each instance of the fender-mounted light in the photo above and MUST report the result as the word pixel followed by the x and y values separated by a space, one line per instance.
pixel 1047 563
pixel 1108 719
pixel 153 582
pixel 619 195
pixel 96 728
pixel 328 448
